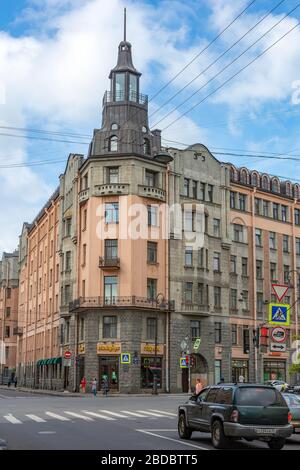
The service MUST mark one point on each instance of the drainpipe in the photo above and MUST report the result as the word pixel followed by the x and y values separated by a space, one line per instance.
pixel 167 290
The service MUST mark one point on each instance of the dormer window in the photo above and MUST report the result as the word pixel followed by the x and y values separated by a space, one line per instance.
pixel 146 147
pixel 114 127
pixel 113 144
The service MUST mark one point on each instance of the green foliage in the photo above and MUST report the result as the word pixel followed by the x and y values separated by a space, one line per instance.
pixel 294 369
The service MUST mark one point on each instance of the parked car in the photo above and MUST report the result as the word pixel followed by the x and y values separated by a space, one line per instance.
pixel 280 385
pixel 236 411
pixel 293 402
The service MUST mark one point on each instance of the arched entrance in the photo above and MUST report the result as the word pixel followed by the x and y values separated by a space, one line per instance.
pixel 198 370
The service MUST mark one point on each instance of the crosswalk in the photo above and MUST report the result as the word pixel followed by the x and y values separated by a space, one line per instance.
pixel 88 416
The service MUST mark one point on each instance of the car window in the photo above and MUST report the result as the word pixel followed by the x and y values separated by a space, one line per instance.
pixel 202 395
pixel 292 400
pixel 258 396
pixel 224 396
pixel 211 397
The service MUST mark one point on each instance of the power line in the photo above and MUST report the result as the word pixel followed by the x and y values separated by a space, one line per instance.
pixel 24 129
pixel 216 60
pixel 226 66
pixel 233 76
pixel 43 138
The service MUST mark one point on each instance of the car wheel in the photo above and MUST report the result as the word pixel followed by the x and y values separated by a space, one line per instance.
pixel 276 444
pixel 183 430
pixel 219 440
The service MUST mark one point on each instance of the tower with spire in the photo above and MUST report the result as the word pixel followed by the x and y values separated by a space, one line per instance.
pixel 125 126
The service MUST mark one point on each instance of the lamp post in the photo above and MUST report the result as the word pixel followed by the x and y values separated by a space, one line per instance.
pixel 159 300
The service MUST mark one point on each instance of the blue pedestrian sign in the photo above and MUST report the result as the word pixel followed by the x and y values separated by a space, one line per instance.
pixel 125 358
pixel 183 363
pixel 279 314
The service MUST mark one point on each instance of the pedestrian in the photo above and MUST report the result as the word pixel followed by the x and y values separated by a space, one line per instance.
pixel 199 386
pixel 15 381
pixel 94 386
pixel 105 386
pixel 83 384
pixel 241 379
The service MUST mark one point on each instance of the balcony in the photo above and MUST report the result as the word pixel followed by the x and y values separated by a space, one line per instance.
pixel 18 331
pixel 83 195
pixel 110 97
pixel 191 307
pixel 152 192
pixel 109 264
pixel 84 303
pixel 111 189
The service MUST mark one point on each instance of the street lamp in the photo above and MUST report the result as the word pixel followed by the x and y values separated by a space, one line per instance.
pixel 159 304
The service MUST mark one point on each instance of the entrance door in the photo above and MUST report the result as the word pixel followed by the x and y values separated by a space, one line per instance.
pixel 66 376
pixel 109 367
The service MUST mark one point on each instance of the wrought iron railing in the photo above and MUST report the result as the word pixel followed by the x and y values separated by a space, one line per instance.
pixel 139 98
pixel 117 301
pixel 105 262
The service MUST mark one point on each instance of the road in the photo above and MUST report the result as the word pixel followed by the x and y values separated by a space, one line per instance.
pixel 35 422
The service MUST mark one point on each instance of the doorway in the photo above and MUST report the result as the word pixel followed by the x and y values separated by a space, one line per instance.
pixel 185 380
pixel 109 367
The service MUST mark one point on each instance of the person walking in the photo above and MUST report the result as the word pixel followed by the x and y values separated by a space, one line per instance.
pixel 105 386
pixel 199 386
pixel 15 381
pixel 94 387
pixel 83 384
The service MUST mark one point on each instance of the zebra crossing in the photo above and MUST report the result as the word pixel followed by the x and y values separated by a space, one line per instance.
pixel 87 416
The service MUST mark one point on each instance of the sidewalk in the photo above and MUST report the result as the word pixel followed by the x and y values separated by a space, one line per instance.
pixel 65 393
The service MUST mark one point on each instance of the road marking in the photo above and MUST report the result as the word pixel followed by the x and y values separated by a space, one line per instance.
pixel 47 432
pixel 164 412
pixel 173 440
pixel 138 415
pixel 97 415
pixel 76 415
pixel 12 419
pixel 150 413
pixel 112 413
pixel 36 418
pixel 54 415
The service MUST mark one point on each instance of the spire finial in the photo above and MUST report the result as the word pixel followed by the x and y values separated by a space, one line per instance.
pixel 124 24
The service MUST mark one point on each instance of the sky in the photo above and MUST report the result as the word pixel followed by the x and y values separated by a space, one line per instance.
pixel 55 58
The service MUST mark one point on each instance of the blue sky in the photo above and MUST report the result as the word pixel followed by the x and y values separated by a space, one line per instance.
pixel 55 57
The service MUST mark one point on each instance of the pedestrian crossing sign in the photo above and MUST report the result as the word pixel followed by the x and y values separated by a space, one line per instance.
pixel 279 314
pixel 183 363
pixel 125 358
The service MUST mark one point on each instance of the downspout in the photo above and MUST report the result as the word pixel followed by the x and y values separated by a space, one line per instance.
pixel 167 288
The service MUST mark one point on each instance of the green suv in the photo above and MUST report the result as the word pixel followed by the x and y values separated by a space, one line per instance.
pixel 236 411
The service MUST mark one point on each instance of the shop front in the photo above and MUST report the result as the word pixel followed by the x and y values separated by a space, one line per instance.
pixel 151 365
pixel 240 367
pixel 274 370
pixel 109 364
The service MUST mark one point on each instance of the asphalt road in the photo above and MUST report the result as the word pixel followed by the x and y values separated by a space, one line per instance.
pixel 37 422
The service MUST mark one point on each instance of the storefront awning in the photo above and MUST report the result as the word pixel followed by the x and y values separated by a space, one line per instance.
pixel 52 360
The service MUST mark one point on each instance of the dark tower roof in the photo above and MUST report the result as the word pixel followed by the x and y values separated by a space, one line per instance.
pixel 124 60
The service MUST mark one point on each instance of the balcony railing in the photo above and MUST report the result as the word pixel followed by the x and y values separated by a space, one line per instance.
pixel 110 97
pixel 109 263
pixel 18 331
pixel 120 302
pixel 195 307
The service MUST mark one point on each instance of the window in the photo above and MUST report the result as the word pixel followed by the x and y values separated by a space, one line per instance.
pixel 285 243
pixel 232 200
pixel 114 126
pixel 258 237
pixel 152 215
pixel 151 328
pixel 7 312
pixel 195 329
pixel 257 203
pixel 151 289
pixel 275 211
pixel 259 302
pixel 218 370
pixel 273 272
pixel 113 144
pixel 110 289
pixel 217 261
pixel 297 216
pixel 194 189
pixel 284 213
pixel 113 175
pixel 189 221
pixel 151 252
pixel 217 297
pixel 67 329
pixel 259 269
pixel 234 337
pixel 246 340
pixel 202 192
pixel 84 254
pixel 233 299
pixel 297 246
pixel 216 227
pixel 265 208
pixel 81 329
pixel 286 271
pixel 272 240
pixel 233 264
pixel 133 84
pixel 7 332
pixel 68 227
pixel 244 266
pixel 83 288
pixel 8 293
pixel 265 183
pixel 254 179
pixel 110 327
pixel 200 293
pixel 68 261
pixel 120 87
pixel 186 188
pixel 242 202
pixel 67 294
pixel 210 190
pixel 245 299
pixel 188 292
pixel 150 178
pixel 84 219
pixel 112 213
pixel 218 332
pixel 111 249
pixel 275 186
pixel 238 233
pixel 146 146
pixel 188 256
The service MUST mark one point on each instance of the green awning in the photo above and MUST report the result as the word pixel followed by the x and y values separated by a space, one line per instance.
pixel 57 360
pixel 39 362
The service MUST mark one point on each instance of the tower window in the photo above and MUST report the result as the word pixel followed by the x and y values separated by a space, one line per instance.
pixel 113 144
pixel 146 147
pixel 132 87
pixel 114 127
pixel 120 87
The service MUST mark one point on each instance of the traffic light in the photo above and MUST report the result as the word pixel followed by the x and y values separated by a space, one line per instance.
pixel 192 361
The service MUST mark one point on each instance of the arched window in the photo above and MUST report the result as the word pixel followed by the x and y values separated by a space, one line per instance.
pixel 146 147
pixel 114 127
pixel 232 174
pixel 254 179
pixel 275 185
pixel 113 144
pixel 244 176
pixel 288 189
pixel 265 182
pixel 296 191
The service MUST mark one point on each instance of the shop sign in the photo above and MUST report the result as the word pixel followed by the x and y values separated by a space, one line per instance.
pixel 109 348
pixel 81 348
pixel 149 348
